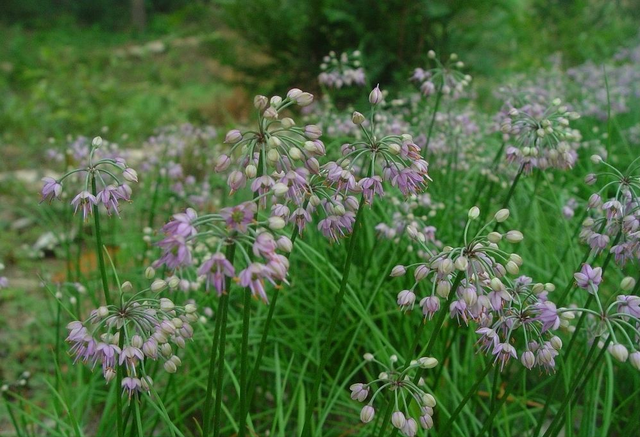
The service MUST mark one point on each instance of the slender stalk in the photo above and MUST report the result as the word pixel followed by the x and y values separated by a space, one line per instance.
pixel 265 333
pixel 119 422
pixel 433 120
pixel 512 189
pixel 136 408
pixel 222 305
pixel 14 422
pixel 306 430
pixel 494 411
pixel 100 255
pixel 217 418
pixel 474 388
pixel 576 383
pixel 244 362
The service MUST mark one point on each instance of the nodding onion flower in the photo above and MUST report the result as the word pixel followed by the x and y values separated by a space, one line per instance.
pixel 399 381
pixel 541 137
pixel 616 320
pixel 365 164
pixel 616 216
pixel 276 143
pixel 128 334
pixel 345 70
pixel 445 78
pixel 479 260
pixel 102 173
pixel 193 248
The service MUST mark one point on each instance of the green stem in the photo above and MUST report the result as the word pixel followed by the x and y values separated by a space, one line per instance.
pixel 14 422
pixel 512 190
pixel 324 357
pixel 136 408
pixel 222 304
pixel 433 120
pixel 474 388
pixel 99 247
pixel 244 362
pixel 119 423
pixel 217 418
pixel 494 411
pixel 577 381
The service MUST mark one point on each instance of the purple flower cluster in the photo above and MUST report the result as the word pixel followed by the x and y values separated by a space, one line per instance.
pixel 342 71
pixel 444 77
pixel 128 335
pixel 101 173
pixel 398 380
pixel 541 137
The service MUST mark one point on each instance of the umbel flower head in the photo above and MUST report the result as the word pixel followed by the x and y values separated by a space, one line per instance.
pixel 398 381
pixel 618 322
pixel 194 245
pixel 342 71
pixel 541 137
pixel 129 334
pixel 446 78
pixel 614 222
pixel 276 144
pixel 101 173
pixel 365 164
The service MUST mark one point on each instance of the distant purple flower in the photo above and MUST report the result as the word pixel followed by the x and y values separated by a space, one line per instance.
pixel 548 315
pixel 51 189
pixel 85 201
pixel 215 269
pixel 131 386
pixel 239 216
pixel 589 278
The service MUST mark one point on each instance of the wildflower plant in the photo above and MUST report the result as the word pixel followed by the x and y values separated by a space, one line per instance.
pixel 398 381
pixel 342 71
pixel 126 335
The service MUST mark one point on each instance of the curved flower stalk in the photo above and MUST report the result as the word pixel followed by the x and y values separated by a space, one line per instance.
pixel 342 71
pixel 193 250
pixel 127 334
pixel 541 137
pixel 616 220
pixel 398 381
pixel 481 263
pixel 98 172
pixel 277 144
pixel 617 324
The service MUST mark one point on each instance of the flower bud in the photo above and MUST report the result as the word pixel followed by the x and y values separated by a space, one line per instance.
pixel 398 271
pixel 158 285
pixel 368 357
pixel 501 215
pixel 428 400
pixel 634 359
pixel 167 304
pixel 494 237
pixel 130 175
pixel 260 102
pixel 233 136
pixel 596 159
pixel 428 362
pixel 96 142
pixel 627 283
pixel 284 244
pixel 367 413
pixel 273 156
pixel 170 367
pixel 461 263
pixel 431 54
pixel 312 132
pixel 287 123
pixel 280 189
pixel 473 213
pixel 420 272
pixel 275 100
pixel 443 289
pixel 304 99
pixel 496 284
pixel 397 418
pixel 357 118
pixel 190 308
pixel 528 359
pixel 619 352
pixel 102 312
pixel 276 223
pixel 250 171
pixel 514 236
pixel 375 97
pixel 556 342
pixel 512 268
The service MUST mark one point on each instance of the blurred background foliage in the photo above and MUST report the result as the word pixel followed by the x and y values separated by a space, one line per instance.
pixel 129 66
